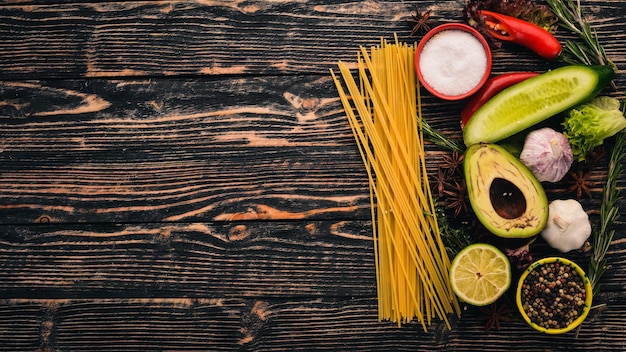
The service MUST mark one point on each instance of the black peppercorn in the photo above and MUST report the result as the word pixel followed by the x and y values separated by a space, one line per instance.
pixel 553 295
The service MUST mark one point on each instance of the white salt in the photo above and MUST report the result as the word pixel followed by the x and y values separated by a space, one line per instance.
pixel 453 62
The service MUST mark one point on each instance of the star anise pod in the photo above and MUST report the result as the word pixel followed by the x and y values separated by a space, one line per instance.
pixel 440 182
pixel 452 163
pixel 420 21
pixel 457 198
pixel 493 314
pixel 580 182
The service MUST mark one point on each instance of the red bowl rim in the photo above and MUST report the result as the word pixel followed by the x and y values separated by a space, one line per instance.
pixel 441 28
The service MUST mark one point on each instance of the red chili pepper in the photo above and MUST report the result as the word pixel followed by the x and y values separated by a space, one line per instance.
pixel 511 29
pixel 493 86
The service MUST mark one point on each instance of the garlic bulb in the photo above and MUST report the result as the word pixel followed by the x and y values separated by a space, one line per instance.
pixel 568 225
pixel 548 154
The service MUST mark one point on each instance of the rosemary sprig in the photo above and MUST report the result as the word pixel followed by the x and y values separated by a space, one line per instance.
pixel 609 211
pixel 439 139
pixel 588 51
pixel 454 239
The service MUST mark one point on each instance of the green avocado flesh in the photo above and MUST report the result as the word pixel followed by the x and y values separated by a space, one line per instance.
pixel 505 196
pixel 534 100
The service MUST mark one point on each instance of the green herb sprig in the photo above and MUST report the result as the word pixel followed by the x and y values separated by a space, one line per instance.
pixel 439 139
pixel 609 211
pixel 588 50
pixel 453 238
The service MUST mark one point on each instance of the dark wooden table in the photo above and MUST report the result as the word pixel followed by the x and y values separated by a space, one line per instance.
pixel 180 176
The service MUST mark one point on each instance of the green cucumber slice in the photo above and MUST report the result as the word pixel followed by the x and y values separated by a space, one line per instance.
pixel 534 100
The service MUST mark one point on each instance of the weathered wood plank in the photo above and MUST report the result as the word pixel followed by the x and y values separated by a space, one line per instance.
pixel 188 260
pixel 151 196
pixel 176 150
pixel 149 324
pixel 115 39
pixel 190 149
pixel 330 325
pixel 251 259
pixel 21 327
pixel 228 324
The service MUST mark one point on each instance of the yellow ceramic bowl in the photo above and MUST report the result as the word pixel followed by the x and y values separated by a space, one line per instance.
pixel 586 306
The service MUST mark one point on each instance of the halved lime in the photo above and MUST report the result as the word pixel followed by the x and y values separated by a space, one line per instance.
pixel 480 274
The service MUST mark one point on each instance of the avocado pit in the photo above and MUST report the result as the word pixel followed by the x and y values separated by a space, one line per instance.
pixel 507 200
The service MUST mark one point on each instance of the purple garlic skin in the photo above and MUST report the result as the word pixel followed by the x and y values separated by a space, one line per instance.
pixel 520 257
pixel 548 154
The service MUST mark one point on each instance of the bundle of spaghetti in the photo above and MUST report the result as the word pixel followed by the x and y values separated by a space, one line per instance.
pixel 384 111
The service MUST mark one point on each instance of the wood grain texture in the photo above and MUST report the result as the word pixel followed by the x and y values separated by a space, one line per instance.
pixel 171 38
pixel 188 259
pixel 178 150
pixel 171 150
pixel 251 259
pixel 180 176
pixel 127 325
pixel 231 324
pixel 21 325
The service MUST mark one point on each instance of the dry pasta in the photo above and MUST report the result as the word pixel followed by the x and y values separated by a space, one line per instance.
pixel 384 112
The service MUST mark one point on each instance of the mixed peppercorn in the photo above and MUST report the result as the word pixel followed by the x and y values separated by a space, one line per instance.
pixel 553 295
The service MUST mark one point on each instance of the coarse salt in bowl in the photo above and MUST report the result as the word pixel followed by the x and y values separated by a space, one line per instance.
pixel 453 61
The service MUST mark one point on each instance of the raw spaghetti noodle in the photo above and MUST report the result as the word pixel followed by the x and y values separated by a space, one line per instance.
pixel 411 260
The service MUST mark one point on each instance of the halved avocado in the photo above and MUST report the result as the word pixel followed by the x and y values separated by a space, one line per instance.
pixel 506 197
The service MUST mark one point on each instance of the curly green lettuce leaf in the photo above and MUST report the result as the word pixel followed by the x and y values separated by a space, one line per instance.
pixel 588 125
